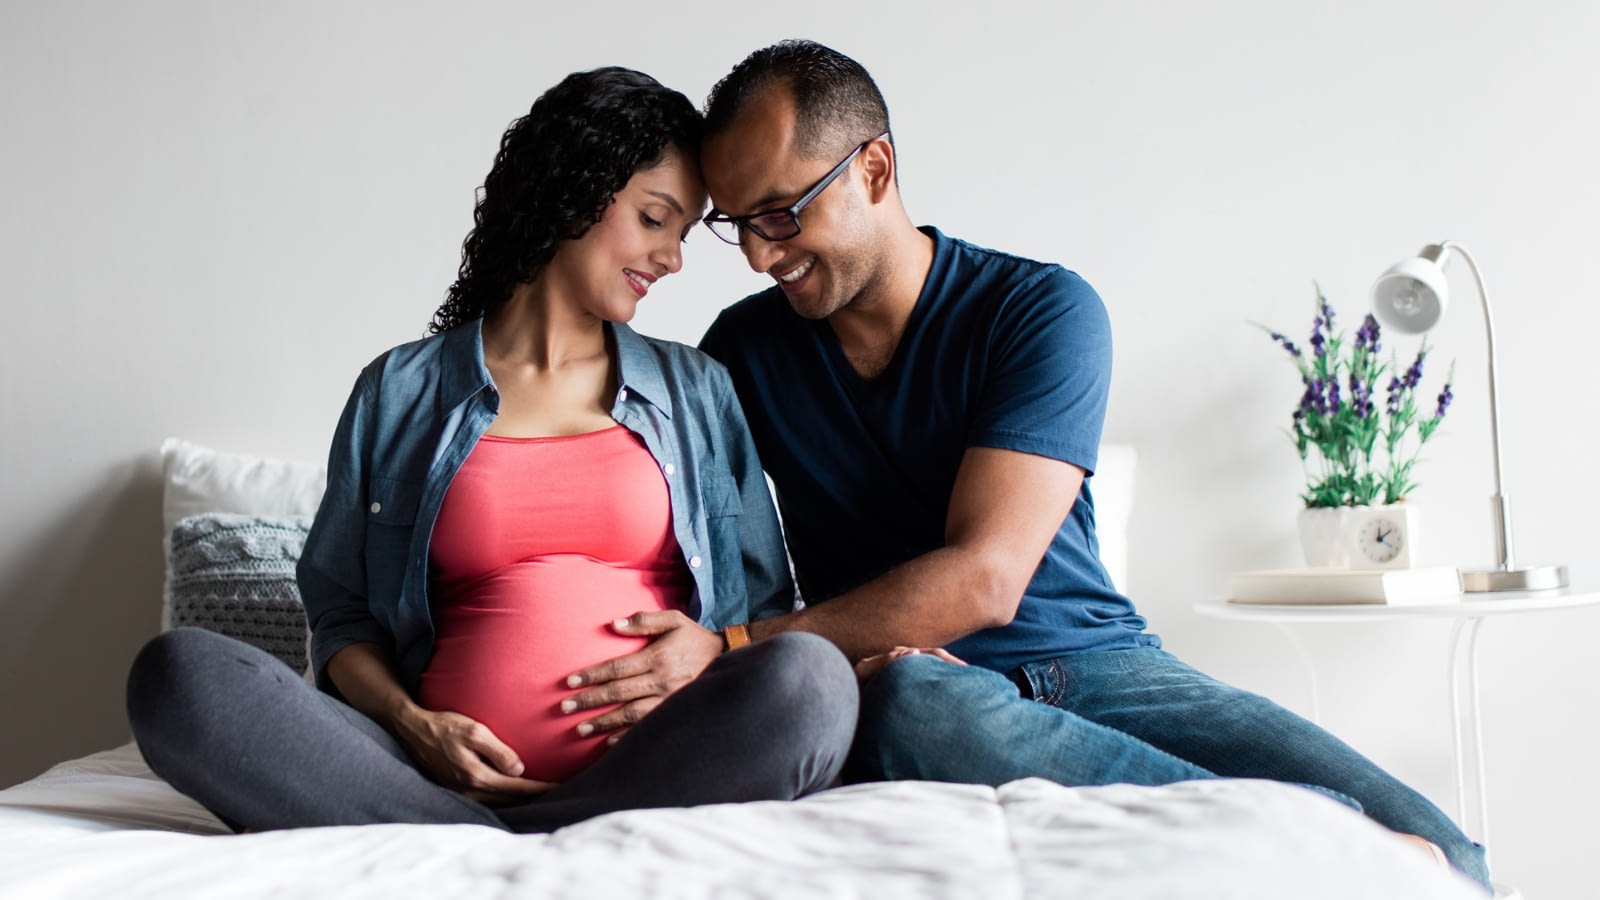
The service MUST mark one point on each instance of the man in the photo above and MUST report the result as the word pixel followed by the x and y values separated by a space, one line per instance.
pixel 929 411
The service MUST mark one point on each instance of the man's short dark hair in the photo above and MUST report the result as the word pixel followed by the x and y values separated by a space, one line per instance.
pixel 837 104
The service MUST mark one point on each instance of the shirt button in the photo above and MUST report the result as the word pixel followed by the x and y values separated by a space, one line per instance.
pixel 376 507
pixel 669 468
pixel 694 562
pixel 622 396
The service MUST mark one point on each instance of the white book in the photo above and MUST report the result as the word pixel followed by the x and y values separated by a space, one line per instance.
pixel 1432 584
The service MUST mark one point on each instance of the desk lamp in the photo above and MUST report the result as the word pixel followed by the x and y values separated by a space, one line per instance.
pixel 1411 298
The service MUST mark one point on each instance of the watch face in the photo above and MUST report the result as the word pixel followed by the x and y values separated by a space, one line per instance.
pixel 1380 539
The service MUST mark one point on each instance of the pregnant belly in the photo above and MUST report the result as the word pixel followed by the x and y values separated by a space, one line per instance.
pixel 506 644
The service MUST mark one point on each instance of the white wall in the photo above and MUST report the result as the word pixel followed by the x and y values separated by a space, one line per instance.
pixel 214 214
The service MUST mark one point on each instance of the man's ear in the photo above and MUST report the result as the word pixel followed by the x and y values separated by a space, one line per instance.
pixel 878 167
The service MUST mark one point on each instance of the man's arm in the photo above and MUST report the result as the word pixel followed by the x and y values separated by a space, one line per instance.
pixel 1005 509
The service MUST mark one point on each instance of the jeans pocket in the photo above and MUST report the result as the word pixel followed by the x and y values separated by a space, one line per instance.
pixel 1044 681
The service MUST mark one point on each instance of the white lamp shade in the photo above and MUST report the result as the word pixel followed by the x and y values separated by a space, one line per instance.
pixel 1410 298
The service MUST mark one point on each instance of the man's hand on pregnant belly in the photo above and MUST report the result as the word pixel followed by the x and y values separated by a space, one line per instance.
pixel 679 650
pixel 464 755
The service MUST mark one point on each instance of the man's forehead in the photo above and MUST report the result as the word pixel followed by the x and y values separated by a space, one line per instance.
pixel 769 117
pixel 749 164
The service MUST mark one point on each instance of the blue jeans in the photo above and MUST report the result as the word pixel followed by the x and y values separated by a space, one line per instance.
pixel 1137 716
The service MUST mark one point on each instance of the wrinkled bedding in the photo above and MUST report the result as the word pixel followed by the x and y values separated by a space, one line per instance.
pixel 105 826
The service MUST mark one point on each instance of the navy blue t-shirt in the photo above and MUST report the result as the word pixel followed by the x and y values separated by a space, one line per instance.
pixel 999 352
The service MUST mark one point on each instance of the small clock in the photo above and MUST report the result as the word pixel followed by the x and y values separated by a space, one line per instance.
pixel 1382 537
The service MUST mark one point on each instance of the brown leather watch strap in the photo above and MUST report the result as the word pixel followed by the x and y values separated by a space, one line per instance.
pixel 735 636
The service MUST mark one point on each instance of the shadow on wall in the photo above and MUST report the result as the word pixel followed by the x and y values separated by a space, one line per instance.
pixel 78 604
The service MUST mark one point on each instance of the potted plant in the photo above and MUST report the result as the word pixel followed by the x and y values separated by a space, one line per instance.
pixel 1358 427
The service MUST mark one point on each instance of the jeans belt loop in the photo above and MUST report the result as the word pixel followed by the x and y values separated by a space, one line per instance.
pixel 1019 677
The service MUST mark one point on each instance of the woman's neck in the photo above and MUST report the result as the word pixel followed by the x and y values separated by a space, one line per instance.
pixel 551 364
pixel 535 328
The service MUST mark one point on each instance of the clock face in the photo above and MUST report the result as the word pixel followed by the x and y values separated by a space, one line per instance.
pixel 1381 540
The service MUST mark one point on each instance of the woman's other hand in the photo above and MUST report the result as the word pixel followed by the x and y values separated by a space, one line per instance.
pixel 464 755
pixel 872 665
pixel 679 650
pixel 457 752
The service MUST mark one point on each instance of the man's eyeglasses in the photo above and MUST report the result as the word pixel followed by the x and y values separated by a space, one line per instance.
pixel 778 224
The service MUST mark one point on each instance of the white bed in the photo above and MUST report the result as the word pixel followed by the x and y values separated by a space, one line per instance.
pixel 104 826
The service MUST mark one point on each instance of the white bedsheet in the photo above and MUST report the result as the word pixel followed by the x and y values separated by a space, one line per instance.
pixel 103 826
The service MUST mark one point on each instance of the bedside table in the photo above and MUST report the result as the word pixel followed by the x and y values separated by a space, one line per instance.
pixel 1468 614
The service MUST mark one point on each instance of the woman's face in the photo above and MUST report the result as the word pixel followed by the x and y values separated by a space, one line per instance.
pixel 638 240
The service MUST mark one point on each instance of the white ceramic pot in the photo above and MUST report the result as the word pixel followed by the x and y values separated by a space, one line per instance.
pixel 1322 537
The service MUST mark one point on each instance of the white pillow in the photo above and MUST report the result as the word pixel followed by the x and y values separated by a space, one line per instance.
pixel 202 480
pixel 1112 486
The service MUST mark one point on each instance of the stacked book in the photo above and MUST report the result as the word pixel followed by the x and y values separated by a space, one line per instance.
pixel 1420 586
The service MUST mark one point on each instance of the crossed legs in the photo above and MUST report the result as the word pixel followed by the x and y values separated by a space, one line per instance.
pixel 248 738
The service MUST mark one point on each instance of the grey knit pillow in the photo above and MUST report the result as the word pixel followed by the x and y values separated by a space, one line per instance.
pixel 234 574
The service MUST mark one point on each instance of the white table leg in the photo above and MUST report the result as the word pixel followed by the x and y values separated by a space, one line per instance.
pixel 1474 819
pixel 1311 670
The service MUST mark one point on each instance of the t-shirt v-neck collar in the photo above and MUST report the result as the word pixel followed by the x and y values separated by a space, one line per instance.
pixel 890 376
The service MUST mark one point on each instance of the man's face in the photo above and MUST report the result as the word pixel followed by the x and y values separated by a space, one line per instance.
pixel 752 168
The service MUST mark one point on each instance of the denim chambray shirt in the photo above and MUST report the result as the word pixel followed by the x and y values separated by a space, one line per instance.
pixel 416 413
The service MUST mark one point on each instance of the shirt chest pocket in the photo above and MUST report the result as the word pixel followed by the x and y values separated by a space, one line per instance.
pixel 393 502
pixel 720 493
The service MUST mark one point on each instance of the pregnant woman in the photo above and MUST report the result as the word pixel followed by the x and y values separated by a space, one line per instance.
pixel 532 508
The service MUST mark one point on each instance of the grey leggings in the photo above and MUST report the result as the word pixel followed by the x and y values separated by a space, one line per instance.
pixel 248 738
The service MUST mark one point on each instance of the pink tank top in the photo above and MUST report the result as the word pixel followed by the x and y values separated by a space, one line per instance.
pixel 540 543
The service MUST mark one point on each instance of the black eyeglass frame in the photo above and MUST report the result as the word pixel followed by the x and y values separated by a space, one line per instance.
pixel 743 224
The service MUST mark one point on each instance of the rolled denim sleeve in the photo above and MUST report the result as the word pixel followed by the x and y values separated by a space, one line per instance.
pixel 768 586
pixel 332 572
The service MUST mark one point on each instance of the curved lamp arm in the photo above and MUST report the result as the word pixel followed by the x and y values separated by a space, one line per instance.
pixel 1504 555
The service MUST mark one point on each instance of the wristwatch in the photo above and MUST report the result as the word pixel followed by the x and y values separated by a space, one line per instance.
pixel 735 636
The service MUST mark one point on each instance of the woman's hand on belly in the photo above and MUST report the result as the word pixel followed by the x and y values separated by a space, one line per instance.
pixel 462 754
pixel 679 650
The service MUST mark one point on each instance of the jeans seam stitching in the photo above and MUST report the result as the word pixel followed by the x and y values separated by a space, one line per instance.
pixel 1058 687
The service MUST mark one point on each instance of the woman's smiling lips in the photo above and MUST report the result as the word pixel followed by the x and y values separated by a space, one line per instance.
pixel 639 281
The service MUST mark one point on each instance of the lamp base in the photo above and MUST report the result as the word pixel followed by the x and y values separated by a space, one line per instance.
pixel 1528 578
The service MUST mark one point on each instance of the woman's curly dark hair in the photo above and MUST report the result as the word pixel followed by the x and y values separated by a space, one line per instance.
pixel 558 169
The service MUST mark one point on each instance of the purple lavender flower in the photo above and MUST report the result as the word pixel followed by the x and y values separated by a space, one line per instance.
pixel 1312 401
pixel 1321 326
pixel 1336 424
pixel 1360 397
pixel 1413 374
pixel 1367 336
pixel 1287 344
pixel 1445 396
